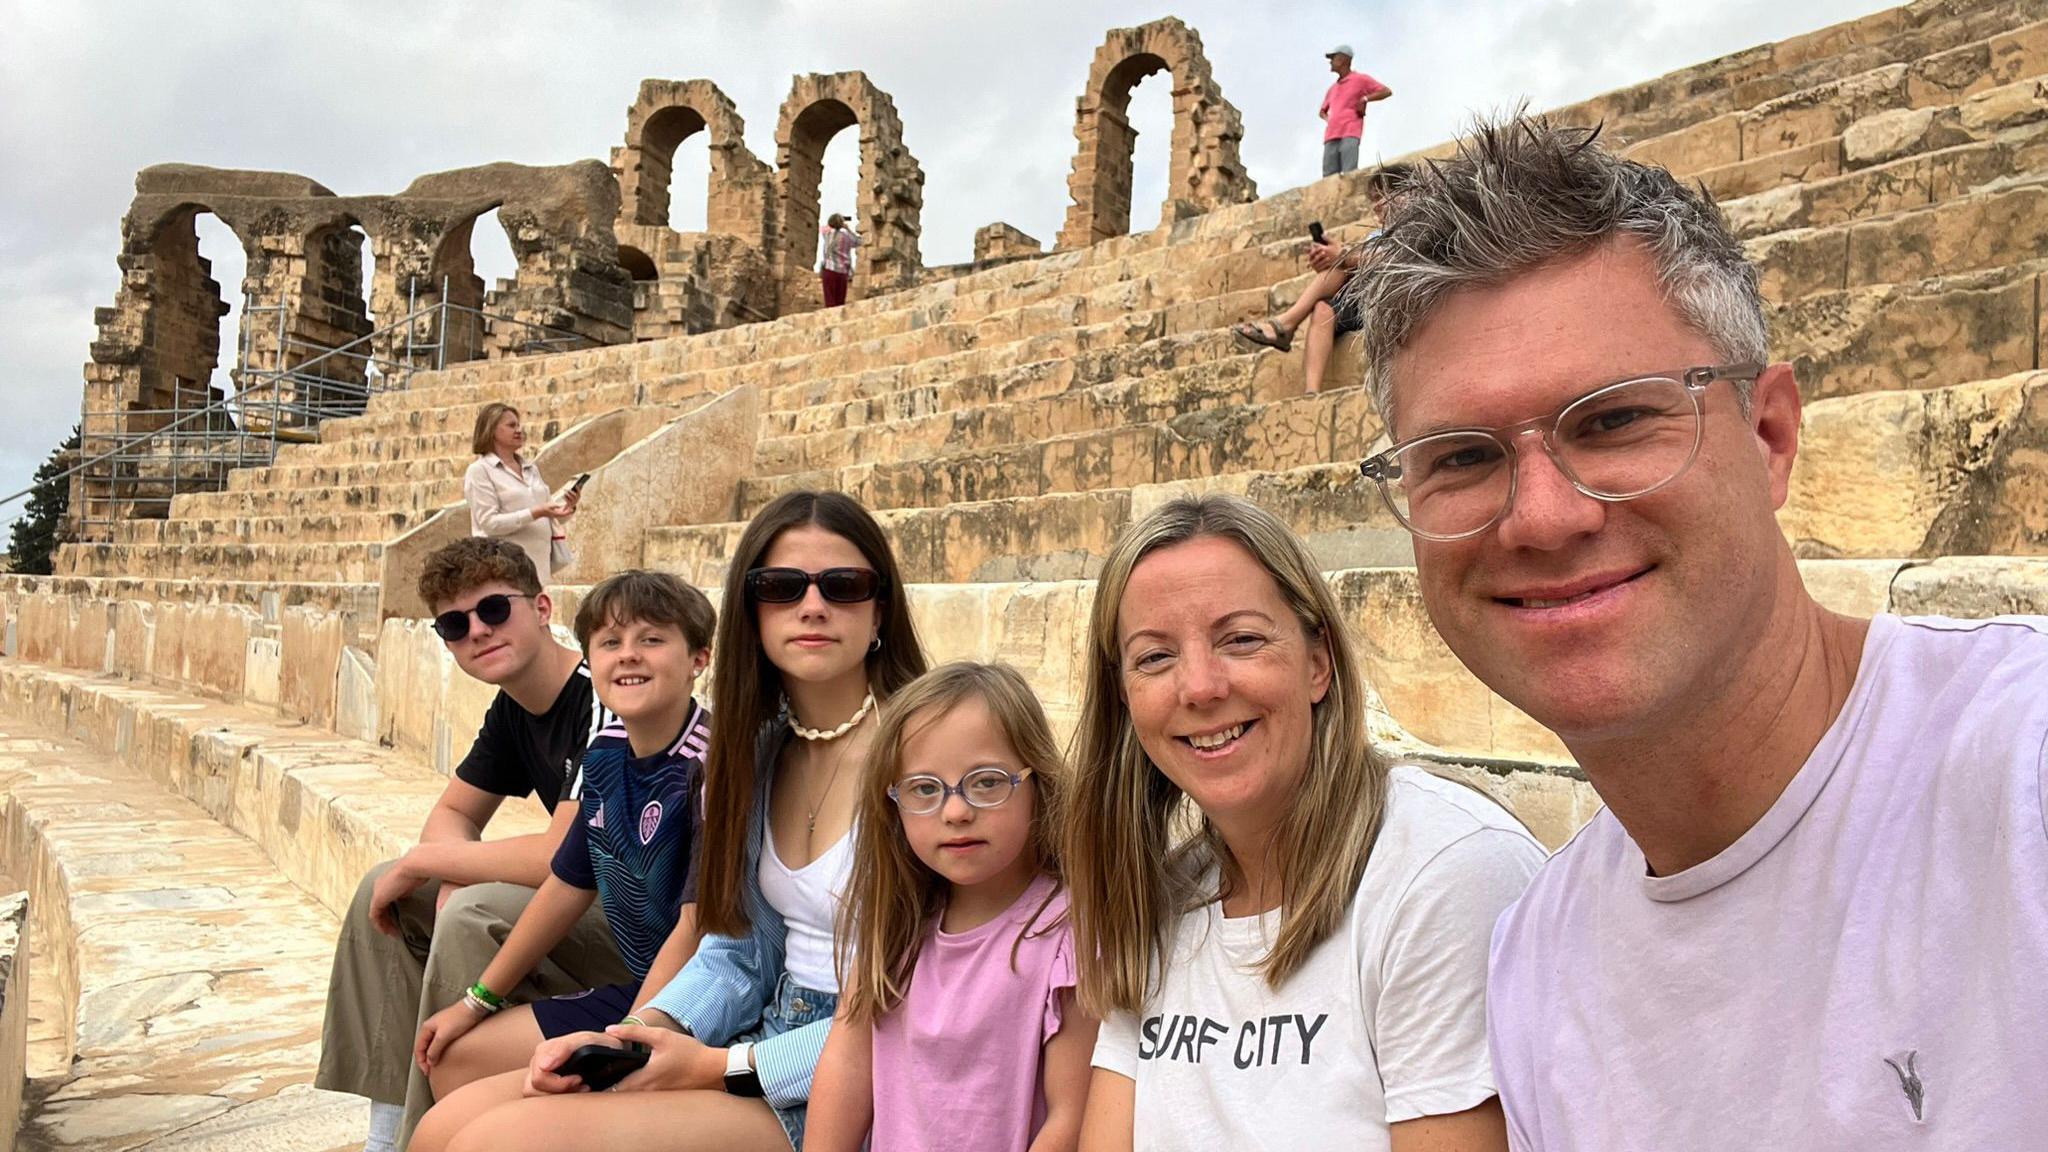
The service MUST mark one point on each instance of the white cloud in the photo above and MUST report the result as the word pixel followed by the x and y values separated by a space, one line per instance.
pixel 364 97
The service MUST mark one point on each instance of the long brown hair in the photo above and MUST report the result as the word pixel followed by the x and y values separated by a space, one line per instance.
pixel 747 689
pixel 892 896
pixel 1130 874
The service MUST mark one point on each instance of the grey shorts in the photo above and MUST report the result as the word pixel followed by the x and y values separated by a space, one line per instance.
pixel 1340 155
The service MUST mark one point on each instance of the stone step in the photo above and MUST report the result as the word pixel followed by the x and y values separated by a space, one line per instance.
pixel 1984 230
pixel 1949 471
pixel 1918 334
pixel 955 383
pixel 544 414
pixel 1243 377
pixel 339 563
pixel 1065 535
pixel 1691 99
pixel 290 528
pixel 414 497
pixel 216 1035
pixel 268 598
pixel 1927 170
pixel 969 300
pixel 1800 135
pixel 442 468
pixel 1283 434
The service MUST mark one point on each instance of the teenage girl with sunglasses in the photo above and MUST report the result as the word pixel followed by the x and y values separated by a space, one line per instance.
pixel 815 633
pixel 957 1026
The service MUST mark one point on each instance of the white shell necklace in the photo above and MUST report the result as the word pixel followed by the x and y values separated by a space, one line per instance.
pixel 820 734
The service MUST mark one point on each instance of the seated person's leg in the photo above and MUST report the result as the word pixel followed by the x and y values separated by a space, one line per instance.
pixel 500 1044
pixel 476 920
pixel 626 1122
pixel 456 1109
pixel 373 995
pixel 1322 336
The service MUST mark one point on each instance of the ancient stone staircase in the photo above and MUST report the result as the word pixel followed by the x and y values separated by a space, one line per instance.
pixel 226 672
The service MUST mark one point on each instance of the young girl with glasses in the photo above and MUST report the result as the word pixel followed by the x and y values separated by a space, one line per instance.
pixel 814 633
pixel 956 1025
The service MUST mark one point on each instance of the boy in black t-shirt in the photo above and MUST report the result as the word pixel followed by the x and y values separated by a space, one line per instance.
pixel 423 925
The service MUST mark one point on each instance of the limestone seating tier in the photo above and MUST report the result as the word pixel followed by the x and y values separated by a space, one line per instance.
pixel 269 600
pixel 1927 173
pixel 351 562
pixel 1894 473
pixel 171 1047
pixel 1744 80
pixel 401 496
pixel 1802 135
pixel 1251 437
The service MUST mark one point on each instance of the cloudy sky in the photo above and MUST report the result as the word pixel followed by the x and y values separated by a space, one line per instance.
pixel 365 96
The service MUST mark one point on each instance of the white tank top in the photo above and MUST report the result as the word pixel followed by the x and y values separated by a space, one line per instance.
pixel 808 899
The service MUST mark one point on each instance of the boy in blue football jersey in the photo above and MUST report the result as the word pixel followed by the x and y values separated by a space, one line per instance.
pixel 647 636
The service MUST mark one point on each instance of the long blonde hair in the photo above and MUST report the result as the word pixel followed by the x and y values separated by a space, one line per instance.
pixel 892 897
pixel 1130 878
pixel 483 439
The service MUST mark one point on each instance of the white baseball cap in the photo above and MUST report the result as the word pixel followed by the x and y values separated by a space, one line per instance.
pixel 1341 50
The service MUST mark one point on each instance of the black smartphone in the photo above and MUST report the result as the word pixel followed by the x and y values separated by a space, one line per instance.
pixel 576 485
pixel 601 1065
pixel 1315 231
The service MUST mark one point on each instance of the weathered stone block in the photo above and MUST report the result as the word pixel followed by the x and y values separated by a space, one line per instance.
pixel 1921 473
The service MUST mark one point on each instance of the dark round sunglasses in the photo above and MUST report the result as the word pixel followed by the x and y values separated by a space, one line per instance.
pixel 492 610
pixel 788 585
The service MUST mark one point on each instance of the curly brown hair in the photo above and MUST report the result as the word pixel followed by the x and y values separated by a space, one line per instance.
pixel 472 562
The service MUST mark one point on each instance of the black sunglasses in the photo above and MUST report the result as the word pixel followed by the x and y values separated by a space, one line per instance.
pixel 788 585
pixel 493 610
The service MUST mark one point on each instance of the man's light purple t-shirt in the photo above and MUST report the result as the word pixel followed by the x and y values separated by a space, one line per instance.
pixel 1341 103
pixel 1866 967
pixel 956 1065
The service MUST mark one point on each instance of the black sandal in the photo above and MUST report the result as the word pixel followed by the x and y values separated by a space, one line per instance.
pixel 1252 333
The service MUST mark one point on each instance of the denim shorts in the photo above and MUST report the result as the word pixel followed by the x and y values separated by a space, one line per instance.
pixel 792 1007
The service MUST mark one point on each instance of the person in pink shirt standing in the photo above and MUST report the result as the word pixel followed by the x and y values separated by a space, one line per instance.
pixel 956 1024
pixel 1343 111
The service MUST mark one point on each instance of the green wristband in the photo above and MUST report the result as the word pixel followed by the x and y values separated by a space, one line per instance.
pixel 486 995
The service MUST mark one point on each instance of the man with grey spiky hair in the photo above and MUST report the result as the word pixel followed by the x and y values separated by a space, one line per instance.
pixel 1814 912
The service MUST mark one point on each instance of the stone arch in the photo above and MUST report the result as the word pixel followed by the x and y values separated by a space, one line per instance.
pixel 639 265
pixel 330 311
pixel 891 196
pixel 452 277
pixel 663 115
pixel 175 311
pixel 1203 172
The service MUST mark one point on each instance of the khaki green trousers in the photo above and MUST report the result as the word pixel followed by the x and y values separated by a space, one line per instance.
pixel 383 989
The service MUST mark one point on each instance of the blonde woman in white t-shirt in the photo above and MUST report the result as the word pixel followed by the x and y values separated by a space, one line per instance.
pixel 507 498
pixel 1307 968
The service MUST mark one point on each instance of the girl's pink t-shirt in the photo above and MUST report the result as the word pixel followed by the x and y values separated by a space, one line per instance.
pixel 956 1065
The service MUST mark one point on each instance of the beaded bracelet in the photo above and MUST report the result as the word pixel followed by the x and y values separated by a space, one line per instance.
pixel 480 1007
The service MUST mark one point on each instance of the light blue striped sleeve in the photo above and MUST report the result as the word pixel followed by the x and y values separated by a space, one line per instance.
pixel 786 1063
pixel 719 994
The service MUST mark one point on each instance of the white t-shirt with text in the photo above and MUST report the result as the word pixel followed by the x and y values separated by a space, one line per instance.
pixel 1866 968
pixel 1385 1022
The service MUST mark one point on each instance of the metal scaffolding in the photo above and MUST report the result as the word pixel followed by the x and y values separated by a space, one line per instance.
pixel 161 453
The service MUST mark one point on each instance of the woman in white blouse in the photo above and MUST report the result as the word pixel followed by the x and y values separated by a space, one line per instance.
pixel 507 498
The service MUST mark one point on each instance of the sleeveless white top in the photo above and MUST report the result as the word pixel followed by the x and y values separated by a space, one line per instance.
pixel 808 899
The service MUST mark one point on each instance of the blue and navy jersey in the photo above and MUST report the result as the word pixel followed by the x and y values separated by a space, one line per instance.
pixel 635 834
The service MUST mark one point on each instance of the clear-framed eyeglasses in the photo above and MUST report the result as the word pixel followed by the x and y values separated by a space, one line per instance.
pixel 982 788
pixel 1615 443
